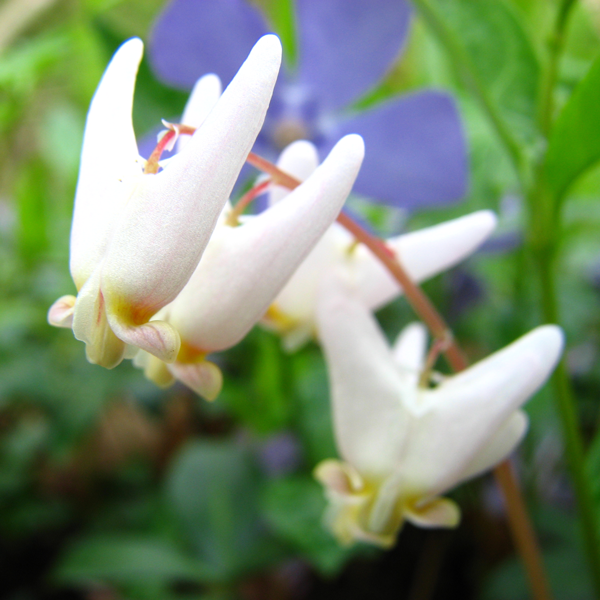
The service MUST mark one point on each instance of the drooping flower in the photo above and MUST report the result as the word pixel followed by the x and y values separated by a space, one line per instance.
pixel 423 254
pixel 416 153
pixel 137 237
pixel 402 443
pixel 245 266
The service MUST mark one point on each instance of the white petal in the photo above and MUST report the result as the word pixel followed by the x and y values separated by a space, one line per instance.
pixel 110 163
pixel 61 312
pixel 299 159
pixel 366 387
pixel 166 226
pixel 202 100
pixel 245 267
pixel 409 352
pixel 462 415
pixel 499 446
pixel 423 254
pixel 203 377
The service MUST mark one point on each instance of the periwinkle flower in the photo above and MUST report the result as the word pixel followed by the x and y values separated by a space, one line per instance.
pixel 137 237
pixel 402 443
pixel 415 149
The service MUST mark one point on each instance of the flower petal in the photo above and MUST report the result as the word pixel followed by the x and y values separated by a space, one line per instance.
pixel 459 418
pixel 416 151
pixel 502 443
pixel 202 100
pixel 110 164
pixel 194 37
pixel 299 159
pixel 440 512
pixel 61 312
pixel 409 352
pixel 245 267
pixel 335 34
pixel 203 377
pixel 166 226
pixel 366 387
pixel 423 254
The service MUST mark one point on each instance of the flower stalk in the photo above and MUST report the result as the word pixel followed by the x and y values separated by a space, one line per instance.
pixel 520 524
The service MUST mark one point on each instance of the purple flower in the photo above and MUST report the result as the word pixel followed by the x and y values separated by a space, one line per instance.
pixel 415 148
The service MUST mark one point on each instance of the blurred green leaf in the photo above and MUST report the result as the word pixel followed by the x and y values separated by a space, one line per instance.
pixel 127 559
pixel 563 560
pixel 213 490
pixel 294 508
pixel 258 395
pixel 22 67
pixel 574 143
pixel 31 196
pixel 281 15
pixel 490 47
pixel 314 420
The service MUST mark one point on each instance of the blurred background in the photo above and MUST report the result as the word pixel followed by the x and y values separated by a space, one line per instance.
pixel 111 488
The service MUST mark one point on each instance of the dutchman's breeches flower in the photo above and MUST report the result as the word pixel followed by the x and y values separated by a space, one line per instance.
pixel 403 443
pixel 423 254
pixel 245 266
pixel 138 236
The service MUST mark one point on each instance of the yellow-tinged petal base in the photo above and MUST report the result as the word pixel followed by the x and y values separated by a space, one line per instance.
pixel 191 368
pixel 352 499
pixel 294 332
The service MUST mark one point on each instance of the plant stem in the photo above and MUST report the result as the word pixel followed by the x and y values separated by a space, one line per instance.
pixel 468 74
pixel 522 530
pixel 571 435
pixel 557 42
pixel 544 232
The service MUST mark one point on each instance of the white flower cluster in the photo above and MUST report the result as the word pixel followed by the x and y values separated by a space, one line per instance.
pixel 164 278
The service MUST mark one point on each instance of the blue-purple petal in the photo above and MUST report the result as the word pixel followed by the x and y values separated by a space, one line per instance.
pixel 346 46
pixel 193 37
pixel 415 151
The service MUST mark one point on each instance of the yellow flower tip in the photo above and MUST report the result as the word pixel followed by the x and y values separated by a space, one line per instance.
pixel 61 312
pixel 338 477
pixel 438 512
pixel 105 348
pixel 154 369
pixel 203 377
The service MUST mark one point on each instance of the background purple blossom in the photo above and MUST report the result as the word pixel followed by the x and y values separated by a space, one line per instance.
pixel 415 147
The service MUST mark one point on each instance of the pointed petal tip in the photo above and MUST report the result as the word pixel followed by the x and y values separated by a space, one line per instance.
pixel 486 219
pixel 547 341
pixel 353 145
pixel 133 48
pixel 268 48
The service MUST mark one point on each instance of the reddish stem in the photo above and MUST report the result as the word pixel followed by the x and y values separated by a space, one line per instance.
pixel 520 523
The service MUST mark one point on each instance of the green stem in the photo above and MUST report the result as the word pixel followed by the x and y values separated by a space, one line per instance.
pixel 468 73
pixel 544 229
pixel 570 424
pixel 557 42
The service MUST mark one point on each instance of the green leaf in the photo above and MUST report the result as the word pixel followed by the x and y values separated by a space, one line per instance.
pixel 574 143
pixel 314 419
pixel 257 394
pixel 212 489
pixel 492 51
pixel 294 508
pixel 128 559
pixel 281 15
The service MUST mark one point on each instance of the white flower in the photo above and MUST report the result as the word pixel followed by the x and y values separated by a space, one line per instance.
pixel 245 266
pixel 402 444
pixel 137 238
pixel 423 254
